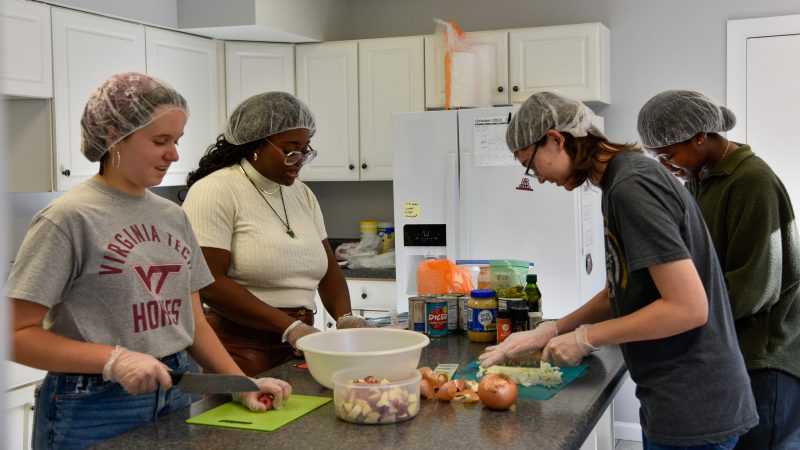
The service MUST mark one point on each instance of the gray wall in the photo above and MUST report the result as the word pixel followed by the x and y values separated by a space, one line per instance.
pixel 152 12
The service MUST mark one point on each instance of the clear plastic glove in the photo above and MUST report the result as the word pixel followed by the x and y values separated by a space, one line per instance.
pixel 354 321
pixel 297 330
pixel 277 390
pixel 519 344
pixel 568 349
pixel 137 372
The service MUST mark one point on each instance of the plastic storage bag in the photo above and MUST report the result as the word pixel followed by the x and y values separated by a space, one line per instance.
pixel 442 276
pixel 467 67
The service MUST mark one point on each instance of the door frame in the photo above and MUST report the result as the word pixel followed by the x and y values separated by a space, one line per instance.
pixel 738 33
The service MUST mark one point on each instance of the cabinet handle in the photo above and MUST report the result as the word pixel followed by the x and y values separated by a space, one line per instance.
pixel 364 165
pixel 351 167
pixel 329 324
pixel 499 88
pixel 515 88
pixel 65 172
pixel 364 295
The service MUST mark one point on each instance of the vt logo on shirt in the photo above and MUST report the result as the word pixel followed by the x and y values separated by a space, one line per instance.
pixel 160 271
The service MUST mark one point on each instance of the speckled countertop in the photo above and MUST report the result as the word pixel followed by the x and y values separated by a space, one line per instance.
pixel 562 422
pixel 376 274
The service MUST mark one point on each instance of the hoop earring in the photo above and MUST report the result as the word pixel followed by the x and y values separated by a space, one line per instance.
pixel 116 158
pixel 255 156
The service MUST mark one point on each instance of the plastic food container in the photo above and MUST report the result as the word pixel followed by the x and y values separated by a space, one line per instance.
pixel 394 399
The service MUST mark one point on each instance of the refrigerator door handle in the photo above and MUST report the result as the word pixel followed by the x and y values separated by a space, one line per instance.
pixel 452 205
pixel 465 194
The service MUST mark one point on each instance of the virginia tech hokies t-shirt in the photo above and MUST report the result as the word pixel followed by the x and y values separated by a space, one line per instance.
pixel 113 269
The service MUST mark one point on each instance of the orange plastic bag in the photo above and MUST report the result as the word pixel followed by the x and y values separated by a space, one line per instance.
pixel 442 276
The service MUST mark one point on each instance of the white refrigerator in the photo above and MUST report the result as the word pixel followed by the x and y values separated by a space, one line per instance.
pixel 459 193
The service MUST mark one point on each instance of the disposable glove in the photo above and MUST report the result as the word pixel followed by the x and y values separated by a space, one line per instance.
pixel 519 344
pixel 137 372
pixel 568 349
pixel 297 330
pixel 354 321
pixel 278 390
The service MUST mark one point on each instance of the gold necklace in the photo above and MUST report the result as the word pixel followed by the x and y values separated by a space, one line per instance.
pixel 259 190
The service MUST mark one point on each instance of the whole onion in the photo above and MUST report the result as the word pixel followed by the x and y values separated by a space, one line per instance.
pixel 497 391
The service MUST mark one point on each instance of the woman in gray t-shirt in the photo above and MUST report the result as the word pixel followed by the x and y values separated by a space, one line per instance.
pixel 665 302
pixel 104 289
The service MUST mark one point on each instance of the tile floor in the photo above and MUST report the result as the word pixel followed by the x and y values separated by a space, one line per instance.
pixel 628 445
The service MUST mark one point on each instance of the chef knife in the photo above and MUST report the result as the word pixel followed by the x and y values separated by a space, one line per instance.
pixel 531 360
pixel 212 382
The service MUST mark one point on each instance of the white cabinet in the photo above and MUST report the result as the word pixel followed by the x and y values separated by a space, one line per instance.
pixel 87 49
pixel 327 80
pixel 353 87
pixel 25 49
pixel 492 45
pixel 368 298
pixel 573 60
pixel 391 79
pixel 189 64
pixel 252 68
pixel 19 417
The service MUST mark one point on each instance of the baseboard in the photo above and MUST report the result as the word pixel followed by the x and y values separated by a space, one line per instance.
pixel 627 431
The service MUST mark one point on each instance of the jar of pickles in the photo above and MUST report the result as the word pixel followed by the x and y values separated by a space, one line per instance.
pixel 482 316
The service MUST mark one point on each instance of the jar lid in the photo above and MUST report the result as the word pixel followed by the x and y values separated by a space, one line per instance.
pixel 482 293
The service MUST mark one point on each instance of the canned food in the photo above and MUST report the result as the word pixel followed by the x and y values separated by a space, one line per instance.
pixel 416 314
pixel 436 317
pixel 452 311
pixel 463 312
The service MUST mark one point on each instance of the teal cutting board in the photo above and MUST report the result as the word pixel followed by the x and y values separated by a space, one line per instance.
pixel 234 415
pixel 568 374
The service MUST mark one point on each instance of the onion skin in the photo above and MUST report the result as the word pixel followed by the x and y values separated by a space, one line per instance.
pixel 447 392
pixel 497 391
pixel 425 389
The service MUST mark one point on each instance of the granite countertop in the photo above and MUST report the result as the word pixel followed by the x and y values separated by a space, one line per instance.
pixel 376 274
pixel 562 422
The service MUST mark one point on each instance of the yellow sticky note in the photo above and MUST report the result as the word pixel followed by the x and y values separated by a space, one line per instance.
pixel 411 210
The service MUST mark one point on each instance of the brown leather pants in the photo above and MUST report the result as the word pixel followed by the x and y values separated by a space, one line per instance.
pixel 256 351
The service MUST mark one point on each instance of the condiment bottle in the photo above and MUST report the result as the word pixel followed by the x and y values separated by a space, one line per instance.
pixel 504 326
pixel 534 297
pixel 482 319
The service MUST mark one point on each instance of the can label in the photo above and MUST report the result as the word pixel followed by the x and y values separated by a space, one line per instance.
pixel 463 315
pixel 503 329
pixel 416 314
pixel 483 320
pixel 436 313
pixel 452 311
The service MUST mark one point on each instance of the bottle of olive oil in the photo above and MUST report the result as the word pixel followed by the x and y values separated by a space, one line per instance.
pixel 534 299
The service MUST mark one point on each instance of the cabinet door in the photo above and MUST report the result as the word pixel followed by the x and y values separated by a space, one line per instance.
pixel 189 64
pixel 253 68
pixel 87 49
pixel 367 296
pixel 25 51
pixel 492 46
pixel 19 417
pixel 391 79
pixel 327 80
pixel 570 59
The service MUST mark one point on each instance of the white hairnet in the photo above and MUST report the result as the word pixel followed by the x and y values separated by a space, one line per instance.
pixel 675 116
pixel 267 114
pixel 121 105
pixel 545 110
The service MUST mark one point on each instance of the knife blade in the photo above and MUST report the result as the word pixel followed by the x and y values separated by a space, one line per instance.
pixel 531 360
pixel 212 382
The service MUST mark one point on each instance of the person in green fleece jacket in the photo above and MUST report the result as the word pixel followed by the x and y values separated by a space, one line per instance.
pixel 751 221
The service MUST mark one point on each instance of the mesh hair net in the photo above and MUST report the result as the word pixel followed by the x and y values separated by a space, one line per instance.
pixel 675 116
pixel 267 114
pixel 121 105
pixel 545 110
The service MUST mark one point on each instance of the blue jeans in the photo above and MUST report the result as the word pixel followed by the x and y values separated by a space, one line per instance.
pixel 777 397
pixel 724 445
pixel 74 411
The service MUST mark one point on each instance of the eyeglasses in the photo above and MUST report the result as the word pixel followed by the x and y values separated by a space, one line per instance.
pixel 529 170
pixel 305 156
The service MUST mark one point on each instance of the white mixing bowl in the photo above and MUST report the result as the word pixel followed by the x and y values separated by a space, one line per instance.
pixel 330 351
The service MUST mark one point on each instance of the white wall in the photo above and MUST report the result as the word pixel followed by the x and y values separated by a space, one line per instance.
pixel 3 244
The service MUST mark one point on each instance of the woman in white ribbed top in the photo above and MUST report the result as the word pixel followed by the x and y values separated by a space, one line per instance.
pixel 262 234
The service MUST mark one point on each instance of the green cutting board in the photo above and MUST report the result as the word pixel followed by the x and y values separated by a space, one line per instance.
pixel 234 415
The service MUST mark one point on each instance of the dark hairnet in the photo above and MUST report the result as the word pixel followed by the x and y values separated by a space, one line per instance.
pixel 264 115
pixel 675 116
pixel 121 105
